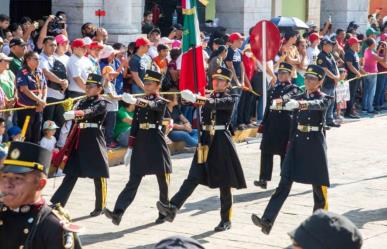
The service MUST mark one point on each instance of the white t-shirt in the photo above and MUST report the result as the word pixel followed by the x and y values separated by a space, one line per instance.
pixel 312 54
pixel 78 67
pixel 152 52
pixel 48 144
pixel 113 105
pixel 47 62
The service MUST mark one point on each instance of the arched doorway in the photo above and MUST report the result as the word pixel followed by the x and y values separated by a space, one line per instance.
pixel 35 9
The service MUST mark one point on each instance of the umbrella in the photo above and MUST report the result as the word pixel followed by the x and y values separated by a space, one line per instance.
pixel 286 23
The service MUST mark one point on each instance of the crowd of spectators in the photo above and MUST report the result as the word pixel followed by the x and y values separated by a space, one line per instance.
pixel 39 65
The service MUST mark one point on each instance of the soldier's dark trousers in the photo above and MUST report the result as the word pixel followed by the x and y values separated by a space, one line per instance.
pixel 267 165
pixel 189 186
pixel 127 195
pixel 63 193
pixel 278 198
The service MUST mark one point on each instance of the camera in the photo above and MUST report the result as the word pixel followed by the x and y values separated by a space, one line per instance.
pixel 55 26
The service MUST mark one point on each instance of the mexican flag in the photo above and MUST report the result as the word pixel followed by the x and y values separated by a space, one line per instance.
pixel 192 47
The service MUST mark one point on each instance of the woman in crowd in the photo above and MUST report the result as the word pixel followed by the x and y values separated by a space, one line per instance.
pixel 216 60
pixel 32 91
pixel 370 66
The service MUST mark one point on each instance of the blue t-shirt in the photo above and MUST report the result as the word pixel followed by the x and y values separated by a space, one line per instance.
pixel 138 64
pixel 236 57
pixel 351 56
pixel 36 83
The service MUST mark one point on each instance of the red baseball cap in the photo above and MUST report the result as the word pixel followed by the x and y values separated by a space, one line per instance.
pixel 352 40
pixel 78 43
pixel 96 45
pixel 313 37
pixel 142 41
pixel 61 39
pixel 235 36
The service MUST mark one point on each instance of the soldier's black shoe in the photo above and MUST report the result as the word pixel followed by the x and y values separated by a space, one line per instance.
pixel 96 212
pixel 114 216
pixel 169 211
pixel 264 224
pixel 160 219
pixel 261 183
pixel 333 124
pixel 223 226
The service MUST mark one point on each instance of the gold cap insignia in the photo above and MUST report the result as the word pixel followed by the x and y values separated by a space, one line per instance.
pixel 15 154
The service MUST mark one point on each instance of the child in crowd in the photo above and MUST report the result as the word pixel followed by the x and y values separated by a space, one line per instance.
pixel 49 141
pixel 14 133
pixel 109 74
pixel 342 94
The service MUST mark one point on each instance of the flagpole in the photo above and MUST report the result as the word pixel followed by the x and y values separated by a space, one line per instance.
pixel 196 87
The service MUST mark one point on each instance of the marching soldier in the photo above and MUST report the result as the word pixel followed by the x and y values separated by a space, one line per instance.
pixel 150 155
pixel 216 163
pixel 86 147
pixel 306 158
pixel 26 221
pixel 275 125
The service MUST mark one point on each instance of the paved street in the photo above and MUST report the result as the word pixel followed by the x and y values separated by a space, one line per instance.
pixel 358 170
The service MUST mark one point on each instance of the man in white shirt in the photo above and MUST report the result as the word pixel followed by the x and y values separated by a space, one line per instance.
pixel 78 68
pixel 55 73
pixel 312 51
pixel 154 38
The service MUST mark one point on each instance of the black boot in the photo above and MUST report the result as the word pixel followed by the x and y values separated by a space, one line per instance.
pixel 114 216
pixel 263 223
pixel 223 226
pixel 169 211
pixel 96 212
pixel 161 219
pixel 261 183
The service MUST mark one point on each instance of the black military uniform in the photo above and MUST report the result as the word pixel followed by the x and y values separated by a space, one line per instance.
pixel 276 126
pixel 306 158
pixel 33 226
pixel 150 154
pixel 215 163
pixel 87 150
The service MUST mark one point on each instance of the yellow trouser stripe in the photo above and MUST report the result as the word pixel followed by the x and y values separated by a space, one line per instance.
pixel 103 191
pixel 230 211
pixel 324 190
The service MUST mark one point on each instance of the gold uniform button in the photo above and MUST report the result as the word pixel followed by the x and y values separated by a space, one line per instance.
pixel 1 222
pixel 21 247
pixel 26 231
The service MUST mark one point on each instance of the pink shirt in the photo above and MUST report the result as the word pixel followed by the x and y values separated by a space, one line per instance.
pixel 370 62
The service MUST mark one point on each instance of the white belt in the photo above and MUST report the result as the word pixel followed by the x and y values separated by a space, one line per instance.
pixel 308 128
pixel 214 127
pixel 88 125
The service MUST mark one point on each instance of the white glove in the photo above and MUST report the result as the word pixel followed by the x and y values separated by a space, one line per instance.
pixel 127 157
pixel 275 103
pixel 291 105
pixel 188 96
pixel 128 98
pixel 70 115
